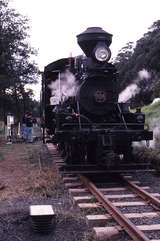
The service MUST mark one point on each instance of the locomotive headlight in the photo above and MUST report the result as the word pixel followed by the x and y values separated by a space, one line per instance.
pixel 102 53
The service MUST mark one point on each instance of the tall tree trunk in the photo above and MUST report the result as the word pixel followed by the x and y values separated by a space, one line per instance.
pixel 4 106
pixel 23 98
pixel 17 104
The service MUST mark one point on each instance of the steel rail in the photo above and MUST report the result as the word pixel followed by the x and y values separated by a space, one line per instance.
pixel 141 192
pixel 125 223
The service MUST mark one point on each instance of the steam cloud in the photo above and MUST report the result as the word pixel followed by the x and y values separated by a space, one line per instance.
pixel 154 125
pixel 129 92
pixel 155 143
pixel 62 88
pixel 144 74
pixel 133 89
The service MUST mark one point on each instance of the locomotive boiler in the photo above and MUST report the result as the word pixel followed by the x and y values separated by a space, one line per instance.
pixel 81 110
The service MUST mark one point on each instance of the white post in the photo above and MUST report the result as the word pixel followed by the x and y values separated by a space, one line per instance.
pixel 10 122
pixel 59 85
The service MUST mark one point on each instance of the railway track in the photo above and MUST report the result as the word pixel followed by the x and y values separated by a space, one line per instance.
pixel 116 206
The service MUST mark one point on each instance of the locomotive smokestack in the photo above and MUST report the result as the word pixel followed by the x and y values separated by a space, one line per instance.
pixel 88 39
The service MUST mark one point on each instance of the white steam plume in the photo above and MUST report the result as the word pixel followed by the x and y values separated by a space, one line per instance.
pixel 156 100
pixel 63 87
pixel 129 92
pixel 154 125
pixel 144 74
pixel 133 89
pixel 155 143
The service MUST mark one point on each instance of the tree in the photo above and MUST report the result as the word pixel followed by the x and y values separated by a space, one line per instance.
pixel 16 67
pixel 145 55
pixel 122 62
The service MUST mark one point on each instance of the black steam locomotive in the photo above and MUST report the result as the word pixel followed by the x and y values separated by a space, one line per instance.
pixel 81 109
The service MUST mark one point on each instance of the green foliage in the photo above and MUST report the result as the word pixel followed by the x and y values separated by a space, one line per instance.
pixel 122 63
pixel 16 67
pixel 152 112
pixel 152 108
pixel 15 52
pixel 145 55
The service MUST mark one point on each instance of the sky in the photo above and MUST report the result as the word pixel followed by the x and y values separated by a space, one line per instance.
pixel 55 24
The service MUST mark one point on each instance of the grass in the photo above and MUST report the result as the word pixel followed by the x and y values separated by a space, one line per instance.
pixel 1 156
pixel 152 108
pixel 38 176
pixel 42 182
pixel 152 113
pixel 89 236
pixel 43 179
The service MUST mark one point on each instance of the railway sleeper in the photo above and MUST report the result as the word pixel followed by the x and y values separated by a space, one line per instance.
pixel 100 220
pixel 116 204
pixel 112 189
pixel 103 233
pixel 90 198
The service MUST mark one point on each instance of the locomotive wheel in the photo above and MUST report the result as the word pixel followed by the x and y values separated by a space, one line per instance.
pixel 112 159
pixel 107 157
pixel 75 153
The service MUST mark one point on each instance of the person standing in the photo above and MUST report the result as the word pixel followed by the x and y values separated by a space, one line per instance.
pixel 29 128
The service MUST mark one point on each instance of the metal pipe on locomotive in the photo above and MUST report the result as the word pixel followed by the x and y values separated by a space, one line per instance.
pixel 89 124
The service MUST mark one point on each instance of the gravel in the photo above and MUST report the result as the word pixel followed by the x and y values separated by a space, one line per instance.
pixel 145 221
pixel 153 234
pixel 15 222
pixel 149 179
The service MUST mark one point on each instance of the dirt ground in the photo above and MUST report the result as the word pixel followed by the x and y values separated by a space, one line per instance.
pixel 27 177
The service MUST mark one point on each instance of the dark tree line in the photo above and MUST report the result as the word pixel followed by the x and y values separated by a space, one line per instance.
pixel 144 55
pixel 16 67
